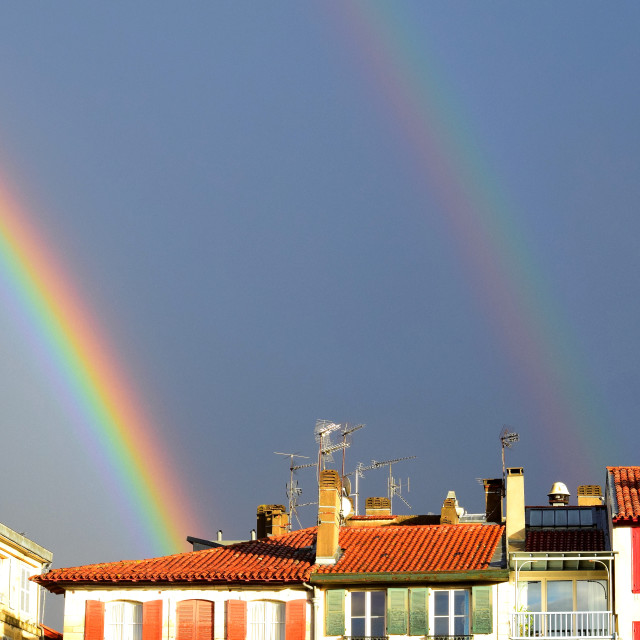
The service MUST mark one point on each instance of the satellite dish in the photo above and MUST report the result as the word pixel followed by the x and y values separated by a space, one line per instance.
pixel 347 507
pixel 346 486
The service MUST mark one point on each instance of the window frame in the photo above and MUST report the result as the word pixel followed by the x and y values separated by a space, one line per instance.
pixel 544 581
pixel 367 616
pixel 451 615
pixel 269 629
pixel 134 625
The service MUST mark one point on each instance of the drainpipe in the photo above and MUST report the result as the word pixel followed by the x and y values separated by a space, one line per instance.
pixel 315 601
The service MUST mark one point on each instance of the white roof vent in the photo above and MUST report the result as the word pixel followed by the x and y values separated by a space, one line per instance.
pixel 559 495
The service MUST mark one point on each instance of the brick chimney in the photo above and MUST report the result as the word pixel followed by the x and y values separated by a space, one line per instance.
pixel 272 520
pixel 493 499
pixel 449 512
pixel 329 503
pixel 377 507
pixel 515 509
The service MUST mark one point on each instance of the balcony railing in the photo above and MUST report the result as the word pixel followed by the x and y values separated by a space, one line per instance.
pixel 452 637
pixel 562 624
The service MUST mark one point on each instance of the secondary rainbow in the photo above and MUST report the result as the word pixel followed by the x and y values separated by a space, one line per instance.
pixel 83 368
pixel 383 39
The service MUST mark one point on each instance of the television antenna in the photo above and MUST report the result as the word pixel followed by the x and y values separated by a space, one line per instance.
pixel 361 468
pixel 293 489
pixel 507 439
pixel 347 431
pixel 322 432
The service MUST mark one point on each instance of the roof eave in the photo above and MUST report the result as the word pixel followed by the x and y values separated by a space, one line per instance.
pixel 479 575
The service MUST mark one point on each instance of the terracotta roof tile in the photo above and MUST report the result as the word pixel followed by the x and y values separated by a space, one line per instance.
pixel 437 548
pixel 565 540
pixel 626 483
pixel 290 558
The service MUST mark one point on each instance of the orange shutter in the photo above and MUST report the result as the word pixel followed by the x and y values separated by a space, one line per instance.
pixel 236 620
pixel 94 620
pixel 204 620
pixel 296 620
pixel 195 620
pixel 635 630
pixel 152 620
pixel 186 623
pixel 635 560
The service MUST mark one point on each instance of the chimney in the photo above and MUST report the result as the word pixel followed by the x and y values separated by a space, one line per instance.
pixel 329 503
pixel 515 509
pixel 450 513
pixel 590 495
pixel 493 488
pixel 272 520
pixel 559 495
pixel 377 507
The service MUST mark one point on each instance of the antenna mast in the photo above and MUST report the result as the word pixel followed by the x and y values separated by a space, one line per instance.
pixel 293 490
pixel 507 440
pixel 361 468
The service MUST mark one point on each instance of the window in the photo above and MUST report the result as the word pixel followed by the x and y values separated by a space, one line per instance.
pixel 563 595
pixel 450 612
pixel 27 591
pixel 368 613
pixel 123 621
pixel 266 620
pixel 565 607
pixel 5 564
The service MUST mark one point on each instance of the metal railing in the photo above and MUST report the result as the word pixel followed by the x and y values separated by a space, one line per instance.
pixel 562 624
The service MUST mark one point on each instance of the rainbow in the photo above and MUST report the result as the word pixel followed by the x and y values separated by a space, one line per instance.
pixel 92 385
pixel 381 38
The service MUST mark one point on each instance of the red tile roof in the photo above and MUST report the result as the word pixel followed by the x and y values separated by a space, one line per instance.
pixel 565 540
pixel 50 634
pixel 626 484
pixel 290 558
pixel 437 548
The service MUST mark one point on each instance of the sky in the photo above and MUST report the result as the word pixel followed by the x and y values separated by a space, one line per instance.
pixel 223 221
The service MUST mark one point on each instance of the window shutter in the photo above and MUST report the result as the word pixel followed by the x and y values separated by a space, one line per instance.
pixel 204 620
pixel 635 630
pixel 152 620
pixel 635 560
pixel 482 610
pixel 236 619
pixel 186 620
pixel 94 620
pixel 419 612
pixel 296 620
pixel 334 618
pixel 397 606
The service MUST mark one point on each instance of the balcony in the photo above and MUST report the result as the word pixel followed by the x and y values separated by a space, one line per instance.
pixel 562 624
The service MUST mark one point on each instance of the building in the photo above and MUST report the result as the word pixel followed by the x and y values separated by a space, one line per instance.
pixel 20 602
pixel 623 502
pixel 370 576
pixel 562 564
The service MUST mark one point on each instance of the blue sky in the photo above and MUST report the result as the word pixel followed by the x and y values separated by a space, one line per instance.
pixel 233 191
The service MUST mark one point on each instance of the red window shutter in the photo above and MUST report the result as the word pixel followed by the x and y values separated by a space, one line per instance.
pixel 204 620
pixel 635 559
pixel 236 620
pixel 186 623
pixel 152 620
pixel 296 620
pixel 94 620
pixel 635 630
pixel 195 620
